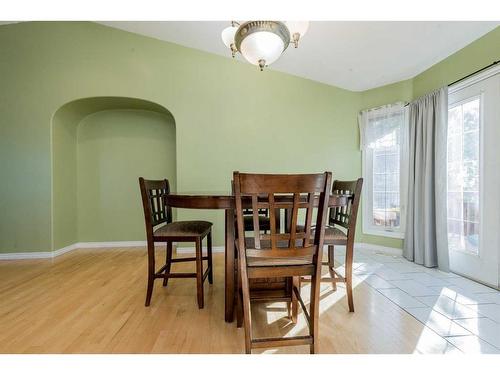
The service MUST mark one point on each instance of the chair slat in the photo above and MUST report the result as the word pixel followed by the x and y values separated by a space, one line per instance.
pixel 256 227
pixel 273 220
pixel 295 213
pixel 309 215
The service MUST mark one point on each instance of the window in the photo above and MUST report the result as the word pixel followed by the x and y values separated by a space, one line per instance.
pixel 384 145
pixel 463 175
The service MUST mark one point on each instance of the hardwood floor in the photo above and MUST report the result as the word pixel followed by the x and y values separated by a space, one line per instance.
pixel 92 301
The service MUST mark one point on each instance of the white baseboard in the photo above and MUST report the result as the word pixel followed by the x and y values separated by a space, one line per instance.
pixel 66 249
pixel 94 245
pixel 30 255
pixel 191 249
pixel 180 250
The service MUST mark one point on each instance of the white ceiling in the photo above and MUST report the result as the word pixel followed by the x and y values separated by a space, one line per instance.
pixel 355 55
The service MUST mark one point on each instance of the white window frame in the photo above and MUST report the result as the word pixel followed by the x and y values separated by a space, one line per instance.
pixel 367 171
pixel 481 174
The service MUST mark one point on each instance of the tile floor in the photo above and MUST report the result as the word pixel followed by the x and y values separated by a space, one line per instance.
pixel 465 314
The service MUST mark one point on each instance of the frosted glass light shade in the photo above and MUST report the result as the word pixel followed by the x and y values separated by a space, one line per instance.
pixel 299 27
pixel 228 35
pixel 262 45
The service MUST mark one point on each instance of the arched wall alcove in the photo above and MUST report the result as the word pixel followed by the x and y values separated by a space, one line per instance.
pixel 100 146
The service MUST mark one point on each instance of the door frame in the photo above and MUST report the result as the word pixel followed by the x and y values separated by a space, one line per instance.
pixel 455 89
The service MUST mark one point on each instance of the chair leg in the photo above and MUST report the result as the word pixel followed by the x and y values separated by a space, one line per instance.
pixel 239 309
pixel 289 286
pixel 209 254
pixel 245 301
pixel 150 290
pixel 239 296
pixel 331 265
pixel 348 277
pixel 295 302
pixel 199 273
pixel 168 262
pixel 314 312
pixel 247 318
pixel 151 272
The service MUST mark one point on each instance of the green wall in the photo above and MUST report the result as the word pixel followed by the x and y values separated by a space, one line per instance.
pixel 114 148
pixel 120 133
pixel 64 177
pixel 399 91
pixel 228 116
pixel 476 55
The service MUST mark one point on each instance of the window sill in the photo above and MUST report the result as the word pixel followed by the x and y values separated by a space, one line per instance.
pixel 381 233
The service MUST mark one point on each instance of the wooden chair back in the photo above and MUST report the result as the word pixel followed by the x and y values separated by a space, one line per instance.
pixel 345 216
pixel 295 192
pixel 156 211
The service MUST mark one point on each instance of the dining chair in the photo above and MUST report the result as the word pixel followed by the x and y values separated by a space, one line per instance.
pixel 340 231
pixel 161 228
pixel 276 255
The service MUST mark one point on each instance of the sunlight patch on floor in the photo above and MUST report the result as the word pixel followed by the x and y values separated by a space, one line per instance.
pixel 430 342
pixel 275 311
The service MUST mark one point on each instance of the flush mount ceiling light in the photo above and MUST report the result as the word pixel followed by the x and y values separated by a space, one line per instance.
pixel 262 42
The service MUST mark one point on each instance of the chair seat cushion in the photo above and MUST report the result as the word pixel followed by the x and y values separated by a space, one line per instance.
pixel 335 234
pixel 332 234
pixel 184 229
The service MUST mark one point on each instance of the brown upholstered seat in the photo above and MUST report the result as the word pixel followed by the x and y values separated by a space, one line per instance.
pixel 183 229
pixel 335 236
pixel 332 234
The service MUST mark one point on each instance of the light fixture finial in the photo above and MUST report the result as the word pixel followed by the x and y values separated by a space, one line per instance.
pixel 262 64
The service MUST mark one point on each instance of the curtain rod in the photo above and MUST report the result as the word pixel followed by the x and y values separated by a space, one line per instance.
pixel 469 75
pixel 477 71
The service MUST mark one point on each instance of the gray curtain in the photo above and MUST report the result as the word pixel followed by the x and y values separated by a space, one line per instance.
pixel 426 228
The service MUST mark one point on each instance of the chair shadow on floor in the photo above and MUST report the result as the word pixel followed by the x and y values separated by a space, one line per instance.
pixel 271 318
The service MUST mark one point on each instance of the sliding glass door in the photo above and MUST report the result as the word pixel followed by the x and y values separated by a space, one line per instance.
pixel 473 179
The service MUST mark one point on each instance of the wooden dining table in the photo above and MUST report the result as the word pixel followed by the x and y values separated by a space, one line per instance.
pixel 225 201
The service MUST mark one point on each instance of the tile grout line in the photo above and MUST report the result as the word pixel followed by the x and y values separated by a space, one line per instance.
pixel 432 309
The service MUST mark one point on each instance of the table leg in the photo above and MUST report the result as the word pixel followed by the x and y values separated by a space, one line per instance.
pixel 229 252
